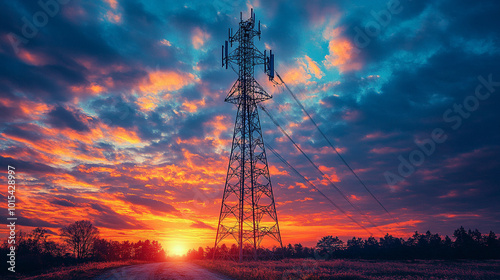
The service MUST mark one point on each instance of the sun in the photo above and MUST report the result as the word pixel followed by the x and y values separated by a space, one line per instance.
pixel 177 249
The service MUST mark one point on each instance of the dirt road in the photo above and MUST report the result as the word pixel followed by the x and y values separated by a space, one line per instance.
pixel 161 271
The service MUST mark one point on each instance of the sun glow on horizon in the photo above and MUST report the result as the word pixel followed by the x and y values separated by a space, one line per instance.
pixel 177 249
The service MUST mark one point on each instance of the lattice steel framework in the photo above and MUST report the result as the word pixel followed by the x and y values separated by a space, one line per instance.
pixel 248 212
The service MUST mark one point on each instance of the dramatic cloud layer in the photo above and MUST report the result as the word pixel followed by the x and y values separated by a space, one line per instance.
pixel 113 111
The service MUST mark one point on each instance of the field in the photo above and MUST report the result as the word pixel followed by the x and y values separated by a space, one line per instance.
pixel 75 272
pixel 356 269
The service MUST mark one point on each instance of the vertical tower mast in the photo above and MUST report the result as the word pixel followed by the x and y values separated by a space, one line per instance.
pixel 248 212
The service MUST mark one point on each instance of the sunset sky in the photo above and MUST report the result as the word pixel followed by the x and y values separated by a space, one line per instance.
pixel 113 111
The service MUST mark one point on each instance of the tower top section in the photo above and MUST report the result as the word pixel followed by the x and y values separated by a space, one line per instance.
pixel 243 58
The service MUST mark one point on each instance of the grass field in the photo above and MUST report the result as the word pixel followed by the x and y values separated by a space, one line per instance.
pixel 356 269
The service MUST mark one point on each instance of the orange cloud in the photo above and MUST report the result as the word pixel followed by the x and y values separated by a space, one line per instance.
pixel 330 172
pixel 112 17
pixel 159 81
pixel 459 216
pixel 28 109
pixel 273 170
pixel 192 106
pixel 301 185
pixel 355 197
pixel 92 89
pixel 295 76
pixel 378 135
pixel 122 135
pixel 158 85
pixel 342 52
pixel 199 38
pixel 149 102
pixel 166 42
pixel 31 58
pixel 343 55
pixel 219 124
pixel 302 73
pixel 331 31
pixel 64 145
pixel 312 67
pixel 112 3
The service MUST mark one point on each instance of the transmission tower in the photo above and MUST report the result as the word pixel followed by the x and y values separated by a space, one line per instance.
pixel 248 212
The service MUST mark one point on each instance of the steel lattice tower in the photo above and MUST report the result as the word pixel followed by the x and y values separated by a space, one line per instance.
pixel 248 212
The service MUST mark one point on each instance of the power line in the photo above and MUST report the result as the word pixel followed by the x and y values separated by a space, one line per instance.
pixel 314 187
pixel 332 146
pixel 315 166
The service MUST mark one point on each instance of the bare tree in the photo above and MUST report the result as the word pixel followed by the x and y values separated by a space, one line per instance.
pixel 80 236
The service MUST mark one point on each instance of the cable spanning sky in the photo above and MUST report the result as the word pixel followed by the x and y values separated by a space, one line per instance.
pixel 113 111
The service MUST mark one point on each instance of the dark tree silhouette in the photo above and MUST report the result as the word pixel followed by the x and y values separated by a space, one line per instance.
pixel 466 244
pixel 39 253
pixel 80 237
pixel 298 251
pixel 328 245
pixel 196 254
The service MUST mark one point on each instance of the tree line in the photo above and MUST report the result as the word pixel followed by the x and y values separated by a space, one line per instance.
pixel 81 243
pixel 464 244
